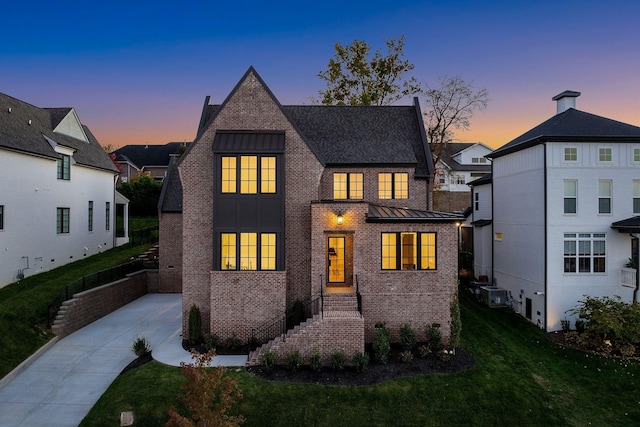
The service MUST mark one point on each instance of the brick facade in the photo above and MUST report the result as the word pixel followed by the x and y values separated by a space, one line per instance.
pixel 170 267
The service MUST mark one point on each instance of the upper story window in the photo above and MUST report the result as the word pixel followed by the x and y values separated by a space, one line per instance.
pixel 478 160
pixel 64 167
pixel 393 185
pixel 570 154
pixel 62 220
pixel 636 197
pixel 604 196
pixel 90 216
pixel 570 197
pixel 459 179
pixel 1 217
pixel 476 200
pixel 347 186
pixel 107 216
pixel 636 154
pixel 255 251
pixel 256 172
pixel 408 251
pixel 584 253
pixel 604 154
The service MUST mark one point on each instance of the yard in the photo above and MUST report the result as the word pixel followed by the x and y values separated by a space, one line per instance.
pixel 520 378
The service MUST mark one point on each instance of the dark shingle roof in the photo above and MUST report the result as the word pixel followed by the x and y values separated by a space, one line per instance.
pixel 485 179
pixel 449 150
pixel 171 195
pixel 379 213
pixel 23 128
pixel 573 126
pixel 142 155
pixel 629 225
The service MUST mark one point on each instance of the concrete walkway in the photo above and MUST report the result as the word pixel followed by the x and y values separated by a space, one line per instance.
pixel 62 384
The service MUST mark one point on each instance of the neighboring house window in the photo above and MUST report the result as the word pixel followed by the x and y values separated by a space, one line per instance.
pixel 636 154
pixel 1 217
pixel 90 216
pixel 250 170
pixel 636 197
pixel 476 199
pixel 604 196
pixel 229 175
pixel 584 253
pixel 393 185
pixel 62 220
pixel 570 154
pixel 107 216
pixel 478 160
pixel 459 179
pixel 253 247
pixel 570 197
pixel 604 154
pixel 408 251
pixel 347 186
pixel 64 167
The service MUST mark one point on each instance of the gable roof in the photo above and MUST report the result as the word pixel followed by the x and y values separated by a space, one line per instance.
pixel 452 149
pixel 142 155
pixel 29 129
pixel 572 126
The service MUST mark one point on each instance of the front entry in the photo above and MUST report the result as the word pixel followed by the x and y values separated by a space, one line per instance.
pixel 340 260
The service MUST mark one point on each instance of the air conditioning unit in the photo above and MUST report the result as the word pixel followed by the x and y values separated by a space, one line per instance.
pixel 493 296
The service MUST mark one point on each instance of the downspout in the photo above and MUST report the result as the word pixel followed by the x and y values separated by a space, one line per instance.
pixel 637 257
pixel 546 238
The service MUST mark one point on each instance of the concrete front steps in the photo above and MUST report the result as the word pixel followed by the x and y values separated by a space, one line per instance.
pixel 338 327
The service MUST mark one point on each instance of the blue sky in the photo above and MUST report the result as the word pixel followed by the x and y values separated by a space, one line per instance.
pixel 138 72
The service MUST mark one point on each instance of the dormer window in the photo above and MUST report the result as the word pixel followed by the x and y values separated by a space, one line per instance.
pixel 478 160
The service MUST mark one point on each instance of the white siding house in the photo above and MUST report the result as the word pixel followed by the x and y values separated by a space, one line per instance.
pixel 57 192
pixel 565 206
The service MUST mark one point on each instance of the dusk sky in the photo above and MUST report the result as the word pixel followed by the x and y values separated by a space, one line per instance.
pixel 138 72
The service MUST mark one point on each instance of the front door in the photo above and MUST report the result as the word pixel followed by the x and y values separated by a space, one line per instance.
pixel 339 260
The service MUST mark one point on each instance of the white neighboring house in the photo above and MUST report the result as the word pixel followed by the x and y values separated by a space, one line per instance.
pixel 57 197
pixel 566 200
pixel 481 220
pixel 457 164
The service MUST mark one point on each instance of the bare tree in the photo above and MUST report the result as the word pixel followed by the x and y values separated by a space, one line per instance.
pixel 355 79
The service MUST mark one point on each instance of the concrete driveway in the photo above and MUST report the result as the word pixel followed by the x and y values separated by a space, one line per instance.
pixel 62 384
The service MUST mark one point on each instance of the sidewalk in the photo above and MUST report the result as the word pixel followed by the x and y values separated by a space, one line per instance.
pixel 62 385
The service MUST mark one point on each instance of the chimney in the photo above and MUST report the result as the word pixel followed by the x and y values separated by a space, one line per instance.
pixel 565 100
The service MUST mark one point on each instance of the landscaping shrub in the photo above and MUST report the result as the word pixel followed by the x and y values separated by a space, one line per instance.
pixel 407 337
pixel 232 343
pixel 337 360
pixel 316 361
pixel 434 337
pixel 293 361
pixel 211 341
pixel 141 347
pixel 360 361
pixel 565 324
pixel 195 325
pixel 268 360
pixel 424 351
pixel 406 356
pixel 381 345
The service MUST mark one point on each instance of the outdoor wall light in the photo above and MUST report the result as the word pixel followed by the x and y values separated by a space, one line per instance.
pixel 340 219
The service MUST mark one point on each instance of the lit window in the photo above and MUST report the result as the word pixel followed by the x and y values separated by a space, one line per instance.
pixel 248 174
pixel 498 237
pixel 604 154
pixel 62 220
pixel 90 216
pixel 636 197
pixel 355 186
pixel 268 251
pixel 107 216
pixel 229 174
pixel 64 167
pixel 584 253
pixel 415 250
pixel 228 251
pixel 570 154
pixel 570 197
pixel 393 185
pixel 248 251
pixel 268 175
pixel 604 197
pixel 336 259
pixel 347 186
pixel 339 186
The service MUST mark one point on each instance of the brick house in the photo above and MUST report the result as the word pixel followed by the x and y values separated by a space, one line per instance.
pixel 327 205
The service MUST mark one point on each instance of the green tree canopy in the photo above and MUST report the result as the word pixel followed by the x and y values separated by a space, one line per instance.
pixel 143 193
pixel 353 78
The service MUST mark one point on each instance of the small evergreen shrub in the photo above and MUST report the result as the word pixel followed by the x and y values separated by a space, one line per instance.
pixel 360 361
pixel 424 351
pixel 195 325
pixel 211 341
pixel 337 360
pixel 381 345
pixel 232 342
pixel 406 356
pixel 141 347
pixel 434 337
pixel 316 361
pixel 407 337
pixel 565 324
pixel 268 360
pixel 293 361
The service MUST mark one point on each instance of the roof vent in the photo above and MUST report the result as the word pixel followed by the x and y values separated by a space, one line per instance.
pixel 565 100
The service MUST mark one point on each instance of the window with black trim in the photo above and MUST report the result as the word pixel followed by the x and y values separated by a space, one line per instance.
pixel 64 167
pixel 408 251
pixel 248 251
pixel 90 216
pixel 347 186
pixel 255 172
pixel 107 216
pixel 62 220
pixel 1 217
pixel 393 185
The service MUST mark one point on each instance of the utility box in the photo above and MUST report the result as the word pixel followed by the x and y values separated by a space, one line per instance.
pixel 493 296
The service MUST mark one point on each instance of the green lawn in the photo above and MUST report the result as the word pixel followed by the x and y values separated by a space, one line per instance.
pixel 520 378
pixel 23 305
